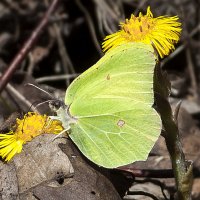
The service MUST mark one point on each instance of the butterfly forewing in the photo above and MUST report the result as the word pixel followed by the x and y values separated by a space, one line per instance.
pixel 112 103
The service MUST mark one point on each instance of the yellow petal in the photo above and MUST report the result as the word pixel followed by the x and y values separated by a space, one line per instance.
pixel 161 32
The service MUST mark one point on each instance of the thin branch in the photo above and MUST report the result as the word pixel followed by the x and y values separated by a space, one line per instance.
pixel 180 48
pixel 20 97
pixel 66 62
pixel 147 194
pixel 153 173
pixel 192 75
pixel 91 26
pixel 27 46
pixel 155 182
pixel 56 78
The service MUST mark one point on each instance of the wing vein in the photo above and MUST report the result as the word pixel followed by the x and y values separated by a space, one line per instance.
pixel 94 142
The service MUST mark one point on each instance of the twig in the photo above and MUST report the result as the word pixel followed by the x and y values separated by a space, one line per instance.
pixel 180 48
pixel 108 13
pixel 56 78
pixel 27 46
pixel 191 70
pixel 152 173
pixel 91 26
pixel 20 97
pixel 147 194
pixel 104 6
pixel 66 62
pixel 155 182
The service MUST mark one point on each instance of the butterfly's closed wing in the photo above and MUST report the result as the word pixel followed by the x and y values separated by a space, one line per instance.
pixel 112 104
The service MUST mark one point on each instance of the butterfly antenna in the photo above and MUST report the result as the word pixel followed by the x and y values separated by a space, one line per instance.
pixel 30 84
pixel 39 104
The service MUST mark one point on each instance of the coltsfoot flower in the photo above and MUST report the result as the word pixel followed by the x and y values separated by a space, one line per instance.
pixel 161 32
pixel 31 126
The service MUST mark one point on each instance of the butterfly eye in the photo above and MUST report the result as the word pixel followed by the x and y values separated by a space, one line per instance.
pixel 56 104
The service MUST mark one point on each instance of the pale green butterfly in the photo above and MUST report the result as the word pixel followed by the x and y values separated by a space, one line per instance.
pixel 109 107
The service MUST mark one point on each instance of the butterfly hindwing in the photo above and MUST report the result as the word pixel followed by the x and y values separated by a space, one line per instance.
pixel 111 103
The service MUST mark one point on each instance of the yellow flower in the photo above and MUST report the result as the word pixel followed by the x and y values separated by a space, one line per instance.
pixel 32 125
pixel 161 32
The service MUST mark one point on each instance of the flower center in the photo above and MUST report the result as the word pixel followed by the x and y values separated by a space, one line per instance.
pixel 137 28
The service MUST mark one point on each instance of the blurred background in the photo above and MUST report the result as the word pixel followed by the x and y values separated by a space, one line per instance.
pixel 72 43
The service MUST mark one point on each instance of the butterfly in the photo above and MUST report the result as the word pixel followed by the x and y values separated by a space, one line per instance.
pixel 108 109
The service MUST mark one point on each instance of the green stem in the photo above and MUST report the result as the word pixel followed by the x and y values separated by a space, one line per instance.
pixel 174 147
pixel 182 173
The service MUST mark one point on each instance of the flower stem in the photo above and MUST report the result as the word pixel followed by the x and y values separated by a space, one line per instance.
pixel 182 168
pixel 179 165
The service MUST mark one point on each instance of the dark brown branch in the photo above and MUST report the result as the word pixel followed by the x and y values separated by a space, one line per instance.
pixel 7 75
pixel 149 173
pixel 143 193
